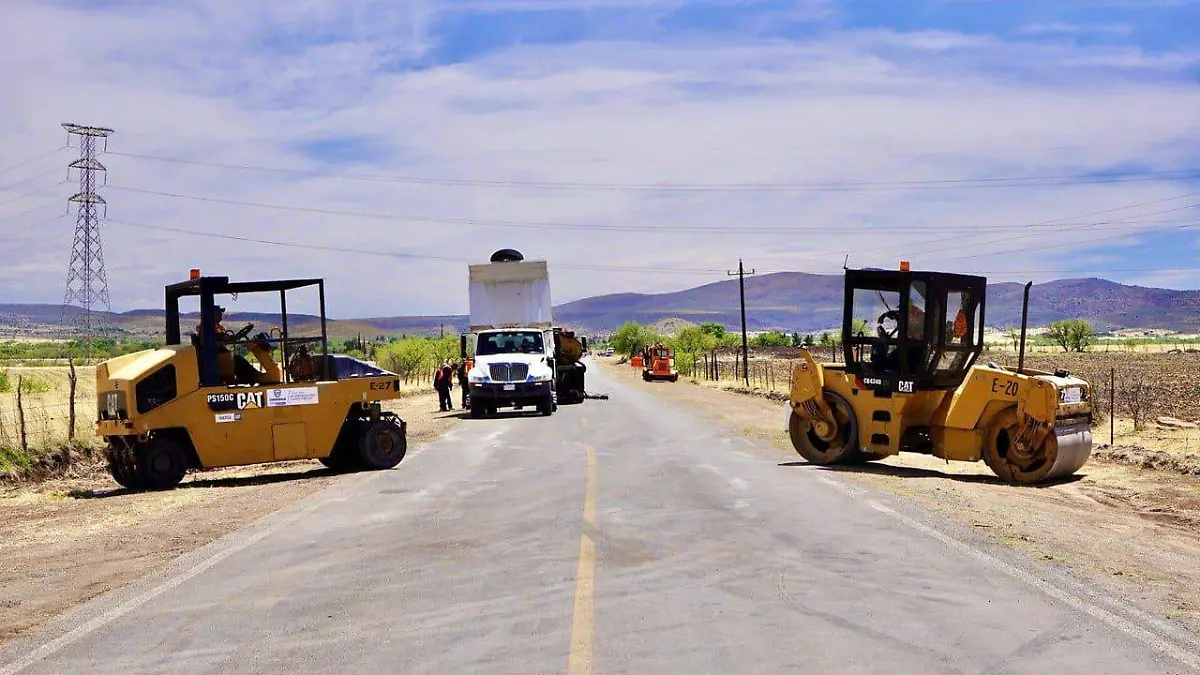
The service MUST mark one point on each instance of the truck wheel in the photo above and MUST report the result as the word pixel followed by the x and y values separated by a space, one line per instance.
pixel 546 406
pixel 161 463
pixel 477 410
pixel 382 445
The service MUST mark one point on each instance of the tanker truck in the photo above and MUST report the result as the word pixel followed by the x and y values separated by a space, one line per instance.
pixel 520 359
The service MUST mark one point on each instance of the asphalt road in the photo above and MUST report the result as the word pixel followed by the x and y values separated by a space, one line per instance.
pixel 620 536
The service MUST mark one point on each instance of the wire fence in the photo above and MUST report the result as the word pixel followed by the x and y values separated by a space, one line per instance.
pixel 45 406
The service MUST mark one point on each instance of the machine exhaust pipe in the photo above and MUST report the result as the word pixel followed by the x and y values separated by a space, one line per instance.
pixel 1024 325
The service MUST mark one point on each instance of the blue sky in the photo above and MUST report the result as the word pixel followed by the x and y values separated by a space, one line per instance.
pixel 497 99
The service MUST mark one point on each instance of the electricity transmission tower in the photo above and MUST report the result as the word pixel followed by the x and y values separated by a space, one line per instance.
pixel 87 284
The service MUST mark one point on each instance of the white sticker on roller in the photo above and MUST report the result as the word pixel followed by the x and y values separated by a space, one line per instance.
pixel 223 418
pixel 1072 395
pixel 296 396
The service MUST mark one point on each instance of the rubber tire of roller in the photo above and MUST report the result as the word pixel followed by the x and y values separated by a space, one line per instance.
pixel 161 463
pixel 382 445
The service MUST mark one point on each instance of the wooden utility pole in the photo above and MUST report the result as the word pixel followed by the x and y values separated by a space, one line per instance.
pixel 741 275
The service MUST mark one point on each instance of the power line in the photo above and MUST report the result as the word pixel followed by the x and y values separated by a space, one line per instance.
pixel 1075 229
pixel 614 268
pixel 394 254
pixel 25 213
pixel 1053 222
pixel 962 183
pixel 8 234
pixel 1074 243
pixel 29 193
pixel 30 179
pixel 31 160
pixel 535 225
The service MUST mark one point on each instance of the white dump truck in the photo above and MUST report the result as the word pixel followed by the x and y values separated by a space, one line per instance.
pixel 512 336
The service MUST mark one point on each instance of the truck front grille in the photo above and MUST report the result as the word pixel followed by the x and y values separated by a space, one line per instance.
pixel 508 372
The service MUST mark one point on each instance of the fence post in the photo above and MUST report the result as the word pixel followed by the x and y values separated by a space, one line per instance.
pixel 1112 398
pixel 71 404
pixel 21 412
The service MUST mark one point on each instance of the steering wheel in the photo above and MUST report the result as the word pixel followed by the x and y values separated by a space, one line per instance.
pixel 894 315
pixel 241 334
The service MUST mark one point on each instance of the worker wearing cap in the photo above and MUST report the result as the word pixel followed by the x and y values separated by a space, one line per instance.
pixel 225 364
pixel 223 335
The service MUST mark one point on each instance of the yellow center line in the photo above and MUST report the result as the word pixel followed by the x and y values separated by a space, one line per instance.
pixel 580 660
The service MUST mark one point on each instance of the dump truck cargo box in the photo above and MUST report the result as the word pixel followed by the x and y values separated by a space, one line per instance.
pixel 509 294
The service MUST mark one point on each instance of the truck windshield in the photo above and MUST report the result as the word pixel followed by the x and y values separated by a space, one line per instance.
pixel 516 342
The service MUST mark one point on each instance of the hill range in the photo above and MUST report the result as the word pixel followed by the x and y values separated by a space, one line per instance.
pixel 789 301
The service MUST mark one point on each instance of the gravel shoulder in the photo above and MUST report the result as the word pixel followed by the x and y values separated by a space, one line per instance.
pixel 1134 530
pixel 65 541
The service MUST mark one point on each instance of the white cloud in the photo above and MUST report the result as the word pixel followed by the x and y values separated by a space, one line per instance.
pixel 204 82
pixel 1061 28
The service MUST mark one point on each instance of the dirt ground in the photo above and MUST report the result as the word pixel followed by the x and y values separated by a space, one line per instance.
pixel 65 541
pixel 1136 530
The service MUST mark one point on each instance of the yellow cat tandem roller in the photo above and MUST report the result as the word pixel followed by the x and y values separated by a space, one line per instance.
pixel 910 384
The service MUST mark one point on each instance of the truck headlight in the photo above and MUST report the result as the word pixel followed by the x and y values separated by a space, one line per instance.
pixel 476 377
pixel 540 377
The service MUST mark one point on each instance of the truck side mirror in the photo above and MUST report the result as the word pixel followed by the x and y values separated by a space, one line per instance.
pixel 462 346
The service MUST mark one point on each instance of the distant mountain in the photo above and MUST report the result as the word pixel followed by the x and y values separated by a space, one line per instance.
pixel 791 301
pixel 795 301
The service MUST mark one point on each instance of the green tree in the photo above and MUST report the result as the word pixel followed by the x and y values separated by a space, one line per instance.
pixel 772 339
pixel 630 338
pixel 714 329
pixel 443 350
pixel 689 343
pixel 1073 335
pixel 406 358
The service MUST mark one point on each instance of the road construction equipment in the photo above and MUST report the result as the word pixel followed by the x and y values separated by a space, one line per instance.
pixel 569 368
pixel 912 385
pixel 203 405
pixel 658 363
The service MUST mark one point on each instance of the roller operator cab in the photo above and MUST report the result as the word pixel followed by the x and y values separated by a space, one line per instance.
pixel 911 383
pixel 198 402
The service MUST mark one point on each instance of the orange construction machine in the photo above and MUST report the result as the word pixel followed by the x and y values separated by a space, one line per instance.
pixel 659 363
